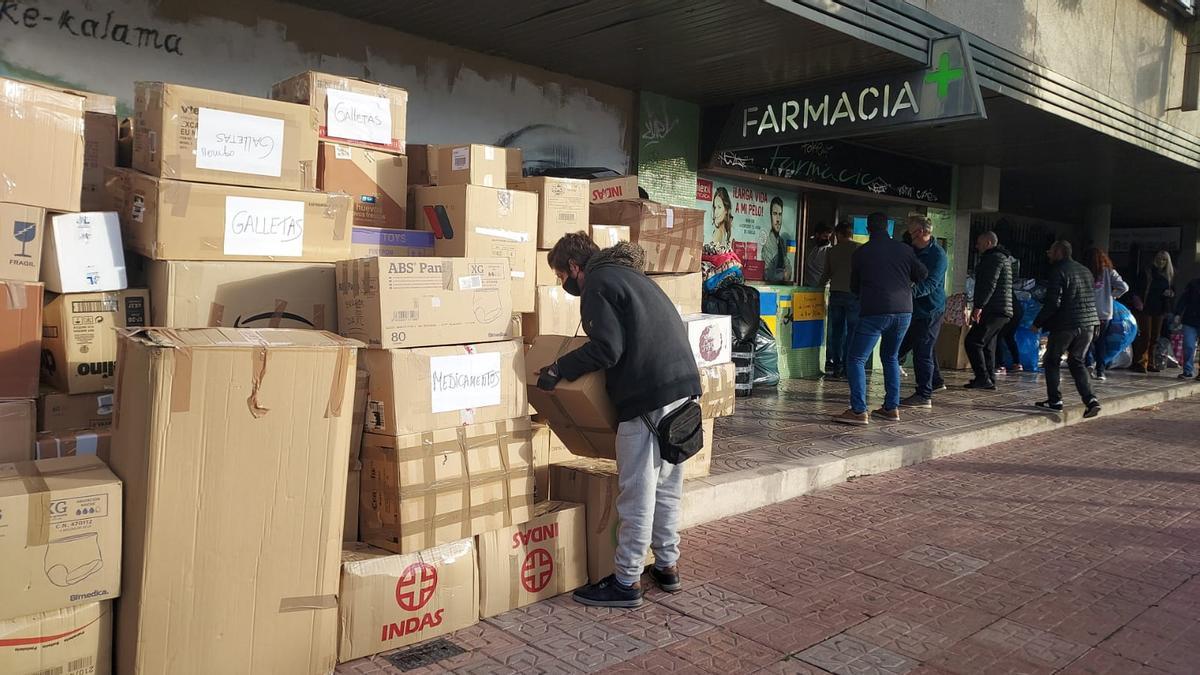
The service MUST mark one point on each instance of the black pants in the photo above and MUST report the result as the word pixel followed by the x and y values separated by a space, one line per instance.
pixel 980 345
pixel 1074 342
pixel 1099 333
pixel 1009 336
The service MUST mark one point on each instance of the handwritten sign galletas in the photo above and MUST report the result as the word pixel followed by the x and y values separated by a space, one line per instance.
pixel 229 141
pixel 264 227
pixel 358 117
pixel 464 381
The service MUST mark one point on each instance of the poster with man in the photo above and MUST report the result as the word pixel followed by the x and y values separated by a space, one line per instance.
pixel 757 222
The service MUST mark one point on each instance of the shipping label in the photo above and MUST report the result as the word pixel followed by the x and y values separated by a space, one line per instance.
pixel 464 381
pixel 240 143
pixel 264 227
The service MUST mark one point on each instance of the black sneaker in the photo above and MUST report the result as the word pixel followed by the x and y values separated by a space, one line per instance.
pixel 610 593
pixel 667 579
pixel 940 386
pixel 1056 406
pixel 980 384
pixel 1093 409
pixel 916 401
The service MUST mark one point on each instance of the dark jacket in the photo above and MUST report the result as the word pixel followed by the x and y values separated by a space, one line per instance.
pixel 1070 298
pixel 994 283
pixel 929 295
pixel 1154 285
pixel 635 335
pixel 882 272
pixel 1189 304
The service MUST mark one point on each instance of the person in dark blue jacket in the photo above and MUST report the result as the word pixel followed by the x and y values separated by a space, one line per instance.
pixel 929 304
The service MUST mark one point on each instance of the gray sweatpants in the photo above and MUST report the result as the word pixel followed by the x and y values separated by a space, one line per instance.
pixel 648 499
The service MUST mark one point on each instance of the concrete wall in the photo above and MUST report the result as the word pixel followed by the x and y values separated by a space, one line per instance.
pixel 244 47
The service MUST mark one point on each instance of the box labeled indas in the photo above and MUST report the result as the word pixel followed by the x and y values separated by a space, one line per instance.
pixel 536 560
pixel 75 640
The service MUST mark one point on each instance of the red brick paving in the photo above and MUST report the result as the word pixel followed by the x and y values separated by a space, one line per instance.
pixel 1074 553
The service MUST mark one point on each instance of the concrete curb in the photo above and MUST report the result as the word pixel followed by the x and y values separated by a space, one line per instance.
pixel 729 494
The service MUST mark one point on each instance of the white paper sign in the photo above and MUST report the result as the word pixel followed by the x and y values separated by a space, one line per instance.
pixel 464 381
pixel 358 117
pixel 229 141
pixel 264 227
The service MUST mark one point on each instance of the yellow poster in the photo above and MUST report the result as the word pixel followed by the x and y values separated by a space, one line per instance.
pixel 808 306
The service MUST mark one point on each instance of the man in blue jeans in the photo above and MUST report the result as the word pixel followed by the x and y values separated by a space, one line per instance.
pixel 883 271
pixel 929 304
pixel 843 305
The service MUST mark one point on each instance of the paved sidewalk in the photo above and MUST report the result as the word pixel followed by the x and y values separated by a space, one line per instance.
pixel 1074 552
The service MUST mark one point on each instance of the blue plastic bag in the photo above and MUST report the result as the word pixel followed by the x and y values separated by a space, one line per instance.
pixel 1121 332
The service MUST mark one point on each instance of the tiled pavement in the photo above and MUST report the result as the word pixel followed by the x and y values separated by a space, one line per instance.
pixel 1073 552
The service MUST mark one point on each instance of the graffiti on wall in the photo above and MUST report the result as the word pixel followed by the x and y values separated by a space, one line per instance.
pixel 668 140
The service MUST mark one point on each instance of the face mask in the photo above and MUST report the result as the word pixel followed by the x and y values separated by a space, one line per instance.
pixel 571 285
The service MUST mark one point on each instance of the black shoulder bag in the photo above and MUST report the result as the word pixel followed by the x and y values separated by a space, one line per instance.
pixel 680 433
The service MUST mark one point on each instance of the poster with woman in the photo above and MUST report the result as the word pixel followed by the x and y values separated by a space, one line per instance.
pixel 756 221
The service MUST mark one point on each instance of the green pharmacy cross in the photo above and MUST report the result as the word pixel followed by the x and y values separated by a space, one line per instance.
pixel 943 75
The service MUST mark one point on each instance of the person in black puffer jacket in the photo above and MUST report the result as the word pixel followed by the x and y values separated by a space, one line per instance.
pixel 993 308
pixel 1069 315
pixel 635 335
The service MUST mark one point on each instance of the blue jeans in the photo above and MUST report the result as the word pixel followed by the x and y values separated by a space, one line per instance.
pixel 924 336
pixel 1190 333
pixel 890 328
pixel 842 315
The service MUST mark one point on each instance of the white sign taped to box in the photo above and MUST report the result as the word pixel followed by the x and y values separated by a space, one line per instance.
pixel 272 227
pixel 230 141
pixel 464 381
pixel 358 117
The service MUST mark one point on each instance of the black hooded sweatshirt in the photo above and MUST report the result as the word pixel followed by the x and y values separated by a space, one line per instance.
pixel 634 334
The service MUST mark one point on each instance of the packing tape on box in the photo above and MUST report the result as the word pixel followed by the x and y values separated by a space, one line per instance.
pixel 216 312
pixel 318 314
pixel 337 389
pixel 277 314
pixel 176 195
pixel 18 295
pixel 257 374
pixel 307 603
pixel 181 379
pixel 337 208
pixel 37 520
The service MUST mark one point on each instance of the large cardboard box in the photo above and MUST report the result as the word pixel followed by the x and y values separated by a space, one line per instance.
pixel 83 253
pixel 535 560
pixel 480 222
pixel 415 302
pixel 607 236
pixel 604 190
pixel 427 489
pixel 209 136
pixel 74 640
pixel 353 490
pixel 686 291
pixel 61 540
pixel 545 276
pixel 541 462
pixel 18 429
pixel 173 220
pixel 22 230
pixel 389 601
pixel 376 181
pixel 672 236
pixel 198 294
pixel 96 442
pixel 358 421
pixel 99 144
pixel 951 353
pixel 20 338
pixel 514 161
pixel 555 312
pixel 59 411
pixel 79 338
pixel 700 464
pixel 234 445
pixel 385 242
pixel 41 133
pixel 349 110
pixel 711 338
pixel 416 390
pixel 593 482
pixel 418 166
pixel 562 206
pixel 718 384
pixel 467 165
pixel 579 412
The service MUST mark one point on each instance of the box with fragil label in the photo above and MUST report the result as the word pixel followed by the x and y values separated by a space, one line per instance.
pixel 207 136
pixel 578 411
pixel 535 560
pixel 389 601
pixel 173 220
pixel 471 164
pixel 416 302
pixel 41 133
pixel 22 232
pixel 562 206
pixel 61 544
pixel 18 429
pixel 74 640
pixel 385 242
pixel 59 411
pixel 376 181
pixel 83 253
pixel 426 489
pixel 672 236
pixel 20 338
pixel 426 388
pixel 79 337
pixel 350 110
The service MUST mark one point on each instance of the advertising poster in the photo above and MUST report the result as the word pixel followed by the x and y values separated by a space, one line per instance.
pixel 757 221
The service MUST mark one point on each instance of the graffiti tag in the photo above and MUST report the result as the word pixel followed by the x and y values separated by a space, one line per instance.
pixel 108 27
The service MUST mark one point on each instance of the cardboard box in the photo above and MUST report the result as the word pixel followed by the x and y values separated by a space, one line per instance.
pixel 686 291
pixel 478 222
pixel 536 560
pixel 471 164
pixel 425 388
pixel 418 166
pixel 432 488
pixel 606 190
pixel 950 350
pixel 672 236
pixel 559 452
pixel 579 412
pixel 717 382
pixel 206 136
pixel 376 181
pixel 383 242
pixel 199 294
pixel 83 253
pixel 18 429
pixel 541 462
pixel 96 442
pixel 545 276
pixel 593 482
pixel 349 110
pixel 711 338
pixel 514 161
pixel 389 601
pixel 41 131
pixel 21 233
pixel 61 543
pixel 607 236
pixel 234 445
pixel 79 337
pixel 414 302
pixel 73 640
pixel 353 489
pixel 58 411
pixel 173 220
pixel 562 206
pixel 20 338
pixel 358 421
pixel 700 464
pixel 556 312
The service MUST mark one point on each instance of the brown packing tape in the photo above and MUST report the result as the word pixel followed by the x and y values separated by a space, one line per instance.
pixel 337 389
pixel 319 316
pixel 216 312
pixel 466 486
pixel 37 522
pixel 122 343
pixel 258 374
pixel 277 315
pixel 305 603
pixel 18 296
pixel 181 380
pixel 338 208
pixel 178 196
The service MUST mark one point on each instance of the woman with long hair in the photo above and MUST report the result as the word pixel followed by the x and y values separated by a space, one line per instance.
pixel 1156 288
pixel 1108 286
pixel 722 217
